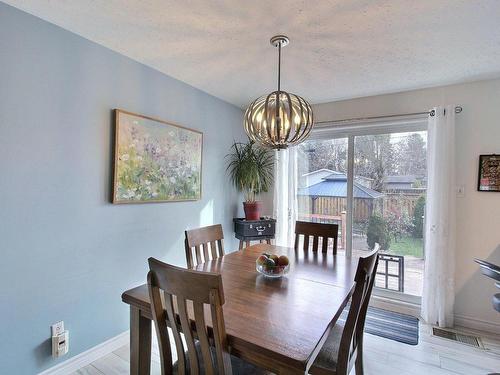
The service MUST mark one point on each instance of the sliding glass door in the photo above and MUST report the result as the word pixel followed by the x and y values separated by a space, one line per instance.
pixel 373 185
pixel 322 186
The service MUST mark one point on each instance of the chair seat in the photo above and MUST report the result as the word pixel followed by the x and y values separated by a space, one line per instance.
pixel 240 367
pixel 326 361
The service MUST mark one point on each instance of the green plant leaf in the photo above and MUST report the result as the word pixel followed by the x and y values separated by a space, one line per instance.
pixel 250 168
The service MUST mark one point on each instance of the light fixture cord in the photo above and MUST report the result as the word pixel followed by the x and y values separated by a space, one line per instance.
pixel 279 85
pixel 279 66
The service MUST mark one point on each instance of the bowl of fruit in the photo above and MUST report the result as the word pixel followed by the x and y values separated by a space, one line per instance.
pixel 271 265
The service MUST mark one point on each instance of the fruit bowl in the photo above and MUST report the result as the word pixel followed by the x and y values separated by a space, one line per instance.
pixel 272 266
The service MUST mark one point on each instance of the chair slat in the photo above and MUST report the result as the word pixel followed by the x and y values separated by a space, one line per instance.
pixel 189 254
pixel 181 357
pixel 306 243
pixel 324 245
pixel 205 252
pixel 197 251
pixel 221 247
pixel 213 249
pixel 201 330
pixel 160 319
pixel 315 243
pixel 188 336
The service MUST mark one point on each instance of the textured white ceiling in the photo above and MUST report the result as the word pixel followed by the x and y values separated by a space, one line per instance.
pixel 339 49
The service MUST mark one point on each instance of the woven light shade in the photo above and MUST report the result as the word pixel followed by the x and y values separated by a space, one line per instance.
pixel 279 124
pixel 279 119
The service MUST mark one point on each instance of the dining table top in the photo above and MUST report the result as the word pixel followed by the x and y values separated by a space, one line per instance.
pixel 286 319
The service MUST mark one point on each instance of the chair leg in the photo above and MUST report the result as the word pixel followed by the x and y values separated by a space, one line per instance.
pixel 359 359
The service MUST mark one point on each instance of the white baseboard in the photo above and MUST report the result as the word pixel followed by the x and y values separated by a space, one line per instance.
pixel 83 359
pixel 477 324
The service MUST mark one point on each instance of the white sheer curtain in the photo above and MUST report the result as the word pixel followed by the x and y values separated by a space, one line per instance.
pixel 285 196
pixel 438 292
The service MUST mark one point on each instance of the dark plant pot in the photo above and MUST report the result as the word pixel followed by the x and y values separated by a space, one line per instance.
pixel 252 210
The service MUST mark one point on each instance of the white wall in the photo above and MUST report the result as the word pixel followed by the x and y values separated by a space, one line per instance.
pixel 478 214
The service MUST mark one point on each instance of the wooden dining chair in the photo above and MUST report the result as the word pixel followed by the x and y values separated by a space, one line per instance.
pixel 343 347
pixel 172 291
pixel 317 231
pixel 203 244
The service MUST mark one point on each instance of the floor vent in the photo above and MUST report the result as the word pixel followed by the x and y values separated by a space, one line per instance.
pixel 459 337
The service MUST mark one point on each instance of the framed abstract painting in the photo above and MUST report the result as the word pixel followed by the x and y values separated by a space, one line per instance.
pixel 155 161
pixel 489 173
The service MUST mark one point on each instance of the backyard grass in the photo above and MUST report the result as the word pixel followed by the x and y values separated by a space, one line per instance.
pixel 408 246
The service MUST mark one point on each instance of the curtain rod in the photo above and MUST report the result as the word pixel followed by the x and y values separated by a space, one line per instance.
pixel 432 112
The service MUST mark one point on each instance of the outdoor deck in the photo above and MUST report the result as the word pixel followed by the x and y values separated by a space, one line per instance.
pixel 413 271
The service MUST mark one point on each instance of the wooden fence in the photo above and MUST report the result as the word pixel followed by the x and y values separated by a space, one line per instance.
pixel 392 201
pixel 334 206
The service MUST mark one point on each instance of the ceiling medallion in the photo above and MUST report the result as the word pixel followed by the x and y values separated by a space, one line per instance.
pixel 279 119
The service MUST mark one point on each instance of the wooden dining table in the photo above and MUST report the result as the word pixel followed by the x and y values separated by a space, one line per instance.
pixel 277 324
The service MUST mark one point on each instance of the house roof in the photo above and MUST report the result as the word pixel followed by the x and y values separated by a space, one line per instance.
pixel 410 179
pixel 335 185
pixel 314 177
pixel 322 170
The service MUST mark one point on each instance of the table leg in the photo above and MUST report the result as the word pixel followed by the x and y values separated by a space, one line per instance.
pixel 140 343
pixel 241 245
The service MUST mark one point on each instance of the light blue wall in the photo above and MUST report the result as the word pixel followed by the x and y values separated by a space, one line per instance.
pixel 66 252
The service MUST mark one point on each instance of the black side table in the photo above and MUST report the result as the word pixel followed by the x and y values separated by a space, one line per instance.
pixel 254 230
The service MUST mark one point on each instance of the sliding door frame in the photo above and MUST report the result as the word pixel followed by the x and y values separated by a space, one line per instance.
pixel 354 129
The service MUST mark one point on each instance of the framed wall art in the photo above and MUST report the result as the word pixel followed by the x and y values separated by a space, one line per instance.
pixel 489 173
pixel 155 160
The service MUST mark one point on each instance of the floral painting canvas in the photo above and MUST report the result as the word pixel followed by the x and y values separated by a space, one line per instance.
pixel 155 161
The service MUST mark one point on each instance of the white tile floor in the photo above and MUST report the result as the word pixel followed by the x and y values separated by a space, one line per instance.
pixel 432 356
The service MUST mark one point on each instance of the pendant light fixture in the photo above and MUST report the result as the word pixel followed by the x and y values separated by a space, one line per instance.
pixel 279 119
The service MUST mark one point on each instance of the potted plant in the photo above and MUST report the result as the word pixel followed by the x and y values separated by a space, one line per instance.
pixel 251 171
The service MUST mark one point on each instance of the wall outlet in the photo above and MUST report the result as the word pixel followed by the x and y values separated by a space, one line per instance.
pixel 60 344
pixel 57 328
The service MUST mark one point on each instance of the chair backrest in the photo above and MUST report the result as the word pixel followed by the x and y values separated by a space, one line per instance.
pixel 352 335
pixel 316 230
pixel 181 288
pixel 206 243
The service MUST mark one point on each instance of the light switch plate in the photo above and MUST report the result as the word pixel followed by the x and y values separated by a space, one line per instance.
pixel 461 191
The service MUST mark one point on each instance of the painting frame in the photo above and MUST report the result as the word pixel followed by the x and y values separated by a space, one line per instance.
pixel 117 132
pixel 483 184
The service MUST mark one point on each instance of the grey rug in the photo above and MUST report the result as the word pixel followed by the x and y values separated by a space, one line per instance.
pixel 390 325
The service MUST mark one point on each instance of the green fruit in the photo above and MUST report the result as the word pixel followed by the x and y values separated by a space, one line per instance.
pixel 283 261
pixel 269 265
pixel 262 260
